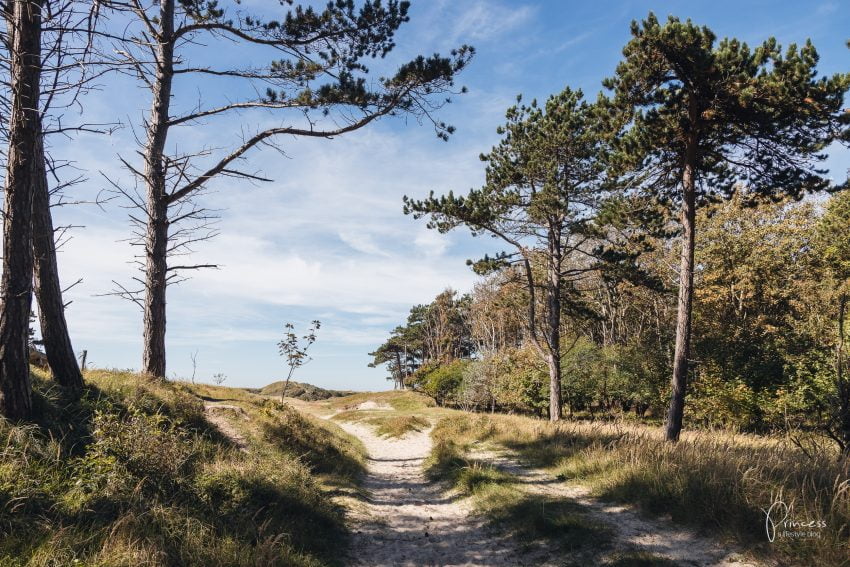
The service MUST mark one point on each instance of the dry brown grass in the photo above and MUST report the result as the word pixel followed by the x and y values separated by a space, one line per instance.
pixel 718 481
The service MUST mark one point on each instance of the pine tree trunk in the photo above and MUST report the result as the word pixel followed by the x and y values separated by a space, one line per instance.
pixel 554 388
pixel 156 238
pixel 48 291
pixel 553 324
pixel 842 383
pixel 686 282
pixel 21 169
pixel 156 268
pixel 399 381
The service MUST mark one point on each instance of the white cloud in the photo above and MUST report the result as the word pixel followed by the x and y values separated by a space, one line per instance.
pixel 488 20
pixel 326 239
pixel 431 243
pixel 258 271
pixel 476 22
pixel 362 242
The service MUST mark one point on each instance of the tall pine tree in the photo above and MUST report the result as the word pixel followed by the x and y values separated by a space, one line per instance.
pixel 316 83
pixel 544 188
pixel 709 118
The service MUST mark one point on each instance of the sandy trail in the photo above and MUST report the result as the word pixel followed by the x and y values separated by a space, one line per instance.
pixel 220 415
pixel 412 522
pixel 632 531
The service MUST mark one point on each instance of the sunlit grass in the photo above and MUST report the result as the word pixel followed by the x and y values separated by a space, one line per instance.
pixel 501 497
pixel 135 474
pixel 715 480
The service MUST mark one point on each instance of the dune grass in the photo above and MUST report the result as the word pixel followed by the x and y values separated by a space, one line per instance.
pixel 398 400
pixel 397 426
pixel 720 482
pixel 135 474
pixel 500 496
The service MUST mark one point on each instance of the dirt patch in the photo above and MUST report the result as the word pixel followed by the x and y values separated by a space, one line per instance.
pixel 373 405
pixel 221 415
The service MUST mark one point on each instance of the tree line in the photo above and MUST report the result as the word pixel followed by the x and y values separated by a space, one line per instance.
pixel 314 82
pixel 595 201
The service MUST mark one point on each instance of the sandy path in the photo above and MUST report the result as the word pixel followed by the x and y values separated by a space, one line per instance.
pixel 217 414
pixel 632 531
pixel 410 521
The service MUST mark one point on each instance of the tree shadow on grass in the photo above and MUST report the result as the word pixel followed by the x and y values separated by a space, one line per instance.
pixel 318 447
pixel 562 522
pixel 139 466
pixel 549 448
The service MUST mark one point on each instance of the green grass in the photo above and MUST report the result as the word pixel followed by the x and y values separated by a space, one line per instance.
pixel 717 481
pixel 134 474
pixel 404 401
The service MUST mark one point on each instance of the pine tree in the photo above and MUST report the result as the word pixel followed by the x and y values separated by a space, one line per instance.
pixel 317 69
pixel 709 118
pixel 543 191
pixel 24 132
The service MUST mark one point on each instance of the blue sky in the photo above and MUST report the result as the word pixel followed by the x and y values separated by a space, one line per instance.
pixel 327 239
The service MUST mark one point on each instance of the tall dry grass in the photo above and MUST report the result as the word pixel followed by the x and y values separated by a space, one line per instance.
pixel 717 481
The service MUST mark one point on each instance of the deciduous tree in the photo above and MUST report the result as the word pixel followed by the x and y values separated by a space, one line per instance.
pixel 833 244
pixel 294 349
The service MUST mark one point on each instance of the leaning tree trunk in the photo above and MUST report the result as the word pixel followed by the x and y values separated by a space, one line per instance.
pixel 21 169
pixel 286 385
pixel 48 291
pixel 553 324
pixel 156 239
pixel 686 292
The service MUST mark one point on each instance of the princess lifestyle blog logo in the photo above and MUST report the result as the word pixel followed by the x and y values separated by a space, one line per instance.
pixel 779 523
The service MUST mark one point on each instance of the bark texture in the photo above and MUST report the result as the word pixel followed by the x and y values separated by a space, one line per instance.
pixel 156 239
pixel 21 169
pixel 686 292
pixel 553 322
pixel 48 290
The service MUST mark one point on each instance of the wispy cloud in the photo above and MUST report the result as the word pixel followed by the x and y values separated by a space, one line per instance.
pixel 362 242
pixel 482 21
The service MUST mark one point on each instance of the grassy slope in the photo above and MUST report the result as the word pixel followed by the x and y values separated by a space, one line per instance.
pixel 715 481
pixel 134 474
pixel 301 391
pixel 399 412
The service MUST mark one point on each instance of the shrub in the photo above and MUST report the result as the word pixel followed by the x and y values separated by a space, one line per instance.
pixel 443 382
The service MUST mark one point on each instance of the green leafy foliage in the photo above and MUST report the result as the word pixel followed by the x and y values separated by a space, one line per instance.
pixel 443 381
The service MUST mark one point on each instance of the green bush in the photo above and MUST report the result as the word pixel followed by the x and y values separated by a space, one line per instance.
pixel 443 382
